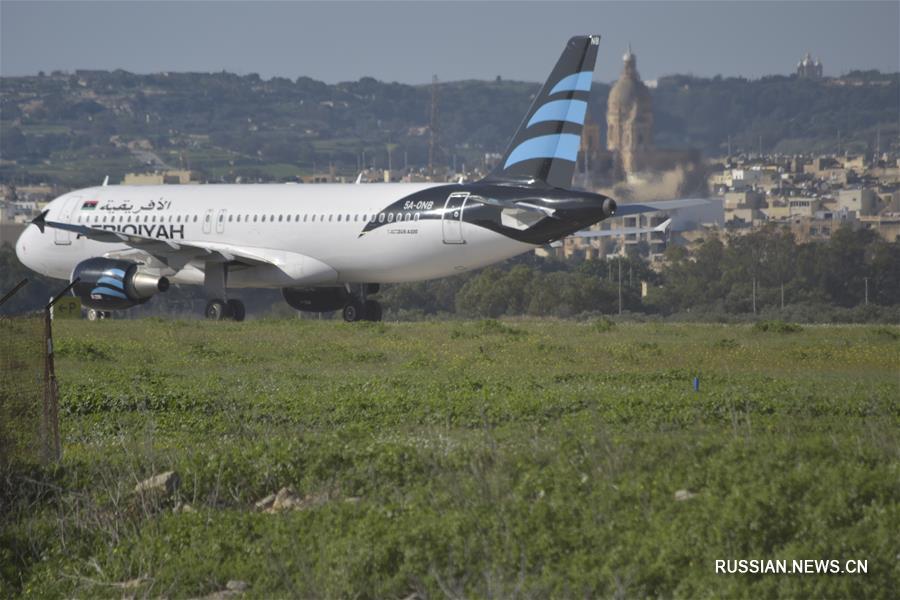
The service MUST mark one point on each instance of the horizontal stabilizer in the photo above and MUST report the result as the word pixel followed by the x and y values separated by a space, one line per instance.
pixel 592 233
pixel 641 207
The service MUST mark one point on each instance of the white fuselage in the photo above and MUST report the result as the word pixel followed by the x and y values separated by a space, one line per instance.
pixel 317 225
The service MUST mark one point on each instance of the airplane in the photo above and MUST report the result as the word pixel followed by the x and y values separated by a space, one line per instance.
pixel 329 246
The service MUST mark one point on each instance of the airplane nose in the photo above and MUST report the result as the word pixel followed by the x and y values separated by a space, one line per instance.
pixel 25 247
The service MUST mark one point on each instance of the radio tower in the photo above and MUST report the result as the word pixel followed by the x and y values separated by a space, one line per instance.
pixel 432 126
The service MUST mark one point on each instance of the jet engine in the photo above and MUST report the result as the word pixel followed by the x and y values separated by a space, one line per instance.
pixel 321 299
pixel 108 284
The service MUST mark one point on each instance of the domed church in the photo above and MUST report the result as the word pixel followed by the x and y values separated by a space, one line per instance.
pixel 629 119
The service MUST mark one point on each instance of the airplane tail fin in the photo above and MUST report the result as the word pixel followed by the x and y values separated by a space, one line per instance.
pixel 545 147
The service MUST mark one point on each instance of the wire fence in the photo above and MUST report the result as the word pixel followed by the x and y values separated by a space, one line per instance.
pixel 29 412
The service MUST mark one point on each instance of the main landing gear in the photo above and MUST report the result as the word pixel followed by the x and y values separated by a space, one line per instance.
pixel 369 310
pixel 360 308
pixel 219 310
pixel 95 315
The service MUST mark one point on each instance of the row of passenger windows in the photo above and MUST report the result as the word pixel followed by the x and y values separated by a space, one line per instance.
pixel 307 218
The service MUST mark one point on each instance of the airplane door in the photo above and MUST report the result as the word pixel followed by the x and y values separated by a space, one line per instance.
pixel 220 222
pixel 452 219
pixel 60 236
pixel 207 221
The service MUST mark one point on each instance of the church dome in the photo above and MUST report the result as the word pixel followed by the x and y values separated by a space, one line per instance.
pixel 629 90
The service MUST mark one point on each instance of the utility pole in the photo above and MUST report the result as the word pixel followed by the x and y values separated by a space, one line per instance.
pixel 620 286
pixel 866 280
pixel 782 295
pixel 432 126
pixel 754 295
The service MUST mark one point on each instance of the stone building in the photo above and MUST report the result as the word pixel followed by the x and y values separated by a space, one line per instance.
pixel 629 119
pixel 809 68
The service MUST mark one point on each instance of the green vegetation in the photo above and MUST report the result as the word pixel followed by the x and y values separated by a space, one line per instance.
pixel 223 125
pixel 538 458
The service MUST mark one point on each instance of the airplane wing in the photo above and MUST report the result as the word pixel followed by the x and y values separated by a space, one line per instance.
pixel 175 254
pixel 641 207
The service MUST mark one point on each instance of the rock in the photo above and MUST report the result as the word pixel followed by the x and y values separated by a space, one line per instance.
pixel 183 507
pixel 163 483
pixel 131 584
pixel 265 503
pixel 682 495
pixel 236 585
pixel 286 499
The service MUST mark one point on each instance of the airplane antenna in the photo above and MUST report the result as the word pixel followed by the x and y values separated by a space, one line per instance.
pixel 105 181
pixel 432 126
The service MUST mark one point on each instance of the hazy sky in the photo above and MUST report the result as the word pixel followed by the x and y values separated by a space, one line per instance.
pixel 408 42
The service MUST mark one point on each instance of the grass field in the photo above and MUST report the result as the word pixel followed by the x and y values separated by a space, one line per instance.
pixel 532 458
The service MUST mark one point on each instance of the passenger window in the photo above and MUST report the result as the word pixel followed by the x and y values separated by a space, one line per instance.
pixel 348 217
pixel 390 217
pixel 339 217
pixel 330 217
pixel 304 218
pixel 263 218
pixel 416 218
pixel 280 217
pixel 272 218
pixel 255 217
pixel 177 219
pixel 221 218
pixel 230 218
pixel 314 218
pixel 238 219
pixel 381 217
pixel 195 218
pixel 296 218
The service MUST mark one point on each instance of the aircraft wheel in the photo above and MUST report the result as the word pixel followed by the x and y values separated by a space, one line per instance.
pixel 354 311
pixel 236 309
pixel 216 310
pixel 93 314
pixel 373 310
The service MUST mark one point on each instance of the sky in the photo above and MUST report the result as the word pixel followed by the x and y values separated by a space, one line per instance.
pixel 409 42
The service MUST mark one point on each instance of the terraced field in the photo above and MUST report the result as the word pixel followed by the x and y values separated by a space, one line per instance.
pixel 533 458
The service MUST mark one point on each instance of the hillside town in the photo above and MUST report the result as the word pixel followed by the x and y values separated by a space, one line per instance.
pixel 810 194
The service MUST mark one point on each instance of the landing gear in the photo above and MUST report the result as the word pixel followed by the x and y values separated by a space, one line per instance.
pixel 236 309
pixel 215 310
pixel 370 310
pixel 354 311
pixel 218 310
pixel 373 310
pixel 95 315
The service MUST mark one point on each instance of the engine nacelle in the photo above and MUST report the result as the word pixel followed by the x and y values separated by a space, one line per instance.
pixel 322 299
pixel 108 284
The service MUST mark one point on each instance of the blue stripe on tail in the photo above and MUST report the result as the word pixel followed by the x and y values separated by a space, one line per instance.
pixel 572 111
pixel 560 145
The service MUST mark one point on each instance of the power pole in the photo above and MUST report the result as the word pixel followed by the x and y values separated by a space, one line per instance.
pixel 866 280
pixel 782 295
pixel 754 295
pixel 432 126
pixel 620 286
